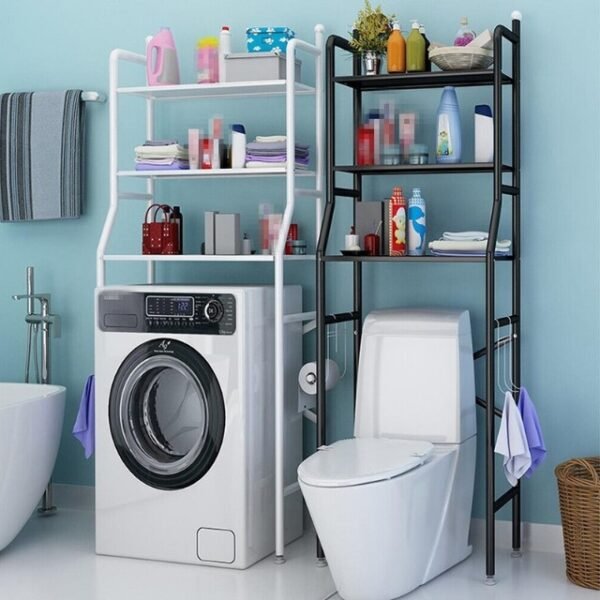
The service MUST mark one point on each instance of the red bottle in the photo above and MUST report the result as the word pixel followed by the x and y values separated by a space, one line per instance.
pixel 365 154
pixel 397 223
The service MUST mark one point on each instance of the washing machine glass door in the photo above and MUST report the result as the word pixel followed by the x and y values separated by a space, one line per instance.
pixel 167 414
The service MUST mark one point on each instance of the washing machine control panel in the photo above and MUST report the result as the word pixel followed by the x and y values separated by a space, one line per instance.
pixel 208 314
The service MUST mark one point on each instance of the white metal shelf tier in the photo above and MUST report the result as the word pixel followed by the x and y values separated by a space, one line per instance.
pixel 265 258
pixel 237 89
pixel 207 173
pixel 288 89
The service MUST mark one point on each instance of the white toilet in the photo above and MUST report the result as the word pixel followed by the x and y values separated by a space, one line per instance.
pixel 392 506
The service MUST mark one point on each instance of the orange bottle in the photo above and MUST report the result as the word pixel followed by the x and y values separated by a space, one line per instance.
pixel 396 51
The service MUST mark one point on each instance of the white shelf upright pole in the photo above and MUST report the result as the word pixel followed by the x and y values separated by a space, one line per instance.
pixel 290 96
pixel 115 57
pixel 319 134
pixel 150 265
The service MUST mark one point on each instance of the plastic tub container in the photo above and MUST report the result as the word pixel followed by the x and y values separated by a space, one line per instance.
pixel 257 66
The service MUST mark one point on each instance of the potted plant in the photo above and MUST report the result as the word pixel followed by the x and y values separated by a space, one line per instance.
pixel 371 32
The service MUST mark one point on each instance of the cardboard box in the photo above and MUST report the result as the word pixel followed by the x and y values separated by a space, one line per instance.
pixel 209 232
pixel 227 233
pixel 268 39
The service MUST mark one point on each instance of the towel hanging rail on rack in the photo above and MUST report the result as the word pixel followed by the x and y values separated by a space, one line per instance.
pixel 93 97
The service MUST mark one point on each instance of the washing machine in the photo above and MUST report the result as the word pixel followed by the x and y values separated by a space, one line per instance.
pixel 185 468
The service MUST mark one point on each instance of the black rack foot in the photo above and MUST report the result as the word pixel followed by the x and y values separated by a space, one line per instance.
pixel 490 580
pixel 516 553
pixel 321 562
pixel 279 560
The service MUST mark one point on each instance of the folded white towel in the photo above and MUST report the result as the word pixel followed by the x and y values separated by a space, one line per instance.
pixel 502 246
pixel 270 138
pixel 169 151
pixel 261 164
pixel 473 236
pixel 512 442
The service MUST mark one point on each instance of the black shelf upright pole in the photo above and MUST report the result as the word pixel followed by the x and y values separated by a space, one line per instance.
pixel 357 181
pixel 322 250
pixel 490 291
pixel 516 265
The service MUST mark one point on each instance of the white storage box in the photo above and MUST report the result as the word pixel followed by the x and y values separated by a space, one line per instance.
pixel 257 66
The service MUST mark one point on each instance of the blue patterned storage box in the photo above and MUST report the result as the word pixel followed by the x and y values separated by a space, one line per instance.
pixel 268 39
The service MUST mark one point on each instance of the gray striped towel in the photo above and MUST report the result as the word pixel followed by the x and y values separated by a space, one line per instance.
pixel 41 155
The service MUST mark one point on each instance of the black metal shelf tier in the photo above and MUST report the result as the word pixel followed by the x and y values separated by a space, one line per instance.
pixel 502 193
pixel 414 259
pixel 416 81
pixel 416 169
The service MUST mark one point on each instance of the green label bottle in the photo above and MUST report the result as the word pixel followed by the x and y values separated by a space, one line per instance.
pixel 415 50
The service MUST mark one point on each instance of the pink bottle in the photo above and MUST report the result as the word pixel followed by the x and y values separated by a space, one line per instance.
pixel 162 67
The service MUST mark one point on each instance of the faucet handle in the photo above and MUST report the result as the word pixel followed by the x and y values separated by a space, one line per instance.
pixel 40 297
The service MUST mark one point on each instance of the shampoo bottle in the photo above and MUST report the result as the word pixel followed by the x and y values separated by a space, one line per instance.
pixel 448 145
pixel 415 50
pixel 417 225
pixel 396 51
pixel 427 44
pixel 238 146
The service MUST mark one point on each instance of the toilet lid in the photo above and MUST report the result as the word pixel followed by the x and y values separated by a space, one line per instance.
pixel 362 460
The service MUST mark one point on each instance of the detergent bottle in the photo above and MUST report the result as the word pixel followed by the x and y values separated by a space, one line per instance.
pixel 162 67
pixel 448 143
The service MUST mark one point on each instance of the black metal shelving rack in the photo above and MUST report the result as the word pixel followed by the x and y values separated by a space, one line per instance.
pixel 361 84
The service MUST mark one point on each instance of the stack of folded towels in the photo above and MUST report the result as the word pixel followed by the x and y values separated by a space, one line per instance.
pixel 466 243
pixel 271 151
pixel 161 155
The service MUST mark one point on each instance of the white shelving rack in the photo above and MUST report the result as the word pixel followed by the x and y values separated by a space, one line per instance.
pixel 288 88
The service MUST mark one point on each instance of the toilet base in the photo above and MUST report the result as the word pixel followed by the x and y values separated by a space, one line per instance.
pixel 384 539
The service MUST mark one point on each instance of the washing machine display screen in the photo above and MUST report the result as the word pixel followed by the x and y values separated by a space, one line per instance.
pixel 169 306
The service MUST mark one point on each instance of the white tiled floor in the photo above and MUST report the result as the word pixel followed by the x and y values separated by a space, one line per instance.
pixel 53 559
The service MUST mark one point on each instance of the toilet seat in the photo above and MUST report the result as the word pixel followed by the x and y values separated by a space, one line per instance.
pixel 359 461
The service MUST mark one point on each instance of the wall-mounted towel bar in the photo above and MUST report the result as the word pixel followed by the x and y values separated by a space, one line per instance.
pixel 93 97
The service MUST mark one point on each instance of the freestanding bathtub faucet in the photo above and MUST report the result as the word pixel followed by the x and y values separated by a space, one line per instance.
pixel 43 319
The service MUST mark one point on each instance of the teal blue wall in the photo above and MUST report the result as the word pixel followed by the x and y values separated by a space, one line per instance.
pixel 66 44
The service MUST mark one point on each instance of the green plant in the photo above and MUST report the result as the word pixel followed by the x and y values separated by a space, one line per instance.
pixel 372 29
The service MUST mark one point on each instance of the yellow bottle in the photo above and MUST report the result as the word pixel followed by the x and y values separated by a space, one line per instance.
pixel 396 51
pixel 415 50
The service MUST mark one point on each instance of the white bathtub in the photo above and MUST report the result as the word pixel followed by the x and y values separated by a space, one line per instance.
pixel 31 418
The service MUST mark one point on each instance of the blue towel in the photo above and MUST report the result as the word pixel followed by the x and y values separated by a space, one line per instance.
pixel 512 442
pixel 41 155
pixel 533 431
pixel 85 426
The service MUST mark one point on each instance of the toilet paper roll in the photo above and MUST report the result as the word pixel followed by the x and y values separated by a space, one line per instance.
pixel 307 378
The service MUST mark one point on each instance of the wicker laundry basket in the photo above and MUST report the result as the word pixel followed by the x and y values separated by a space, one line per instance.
pixel 579 493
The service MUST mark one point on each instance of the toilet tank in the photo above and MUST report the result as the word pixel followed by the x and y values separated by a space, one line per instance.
pixel 416 376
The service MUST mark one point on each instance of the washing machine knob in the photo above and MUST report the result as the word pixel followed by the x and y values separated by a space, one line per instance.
pixel 213 311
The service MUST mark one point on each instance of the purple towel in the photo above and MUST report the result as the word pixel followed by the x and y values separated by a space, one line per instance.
pixel 84 429
pixel 533 431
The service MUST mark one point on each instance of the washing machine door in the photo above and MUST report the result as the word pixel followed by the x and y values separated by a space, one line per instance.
pixel 167 414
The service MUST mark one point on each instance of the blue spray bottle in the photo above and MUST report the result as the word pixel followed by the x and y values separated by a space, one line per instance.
pixel 448 144
pixel 417 225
